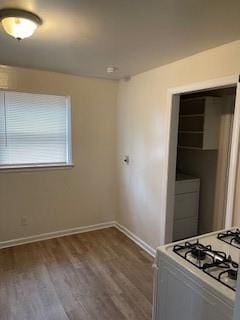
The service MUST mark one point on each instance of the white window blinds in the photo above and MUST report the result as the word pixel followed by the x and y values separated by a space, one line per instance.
pixel 34 130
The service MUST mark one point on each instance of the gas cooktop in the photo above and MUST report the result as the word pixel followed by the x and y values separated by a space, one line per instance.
pixel 215 263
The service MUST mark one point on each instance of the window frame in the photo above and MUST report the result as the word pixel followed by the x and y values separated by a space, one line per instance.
pixel 46 166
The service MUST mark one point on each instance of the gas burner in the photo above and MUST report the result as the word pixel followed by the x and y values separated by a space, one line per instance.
pixel 237 239
pixel 198 253
pixel 232 274
pixel 225 272
pixel 214 263
pixel 231 237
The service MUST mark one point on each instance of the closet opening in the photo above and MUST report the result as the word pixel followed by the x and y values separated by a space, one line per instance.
pixel 205 122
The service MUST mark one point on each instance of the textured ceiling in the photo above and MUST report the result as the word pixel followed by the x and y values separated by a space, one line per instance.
pixel 84 36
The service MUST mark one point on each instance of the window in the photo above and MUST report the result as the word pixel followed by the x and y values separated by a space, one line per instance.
pixel 34 130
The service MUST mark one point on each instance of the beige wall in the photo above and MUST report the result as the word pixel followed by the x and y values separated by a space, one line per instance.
pixel 142 127
pixel 60 199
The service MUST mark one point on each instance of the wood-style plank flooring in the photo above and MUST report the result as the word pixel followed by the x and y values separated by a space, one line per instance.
pixel 95 275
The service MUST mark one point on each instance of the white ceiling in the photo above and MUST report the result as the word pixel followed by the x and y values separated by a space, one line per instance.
pixel 84 36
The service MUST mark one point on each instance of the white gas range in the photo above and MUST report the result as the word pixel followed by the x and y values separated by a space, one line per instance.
pixel 196 279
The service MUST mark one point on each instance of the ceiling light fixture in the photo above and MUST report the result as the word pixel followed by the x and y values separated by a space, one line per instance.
pixel 18 23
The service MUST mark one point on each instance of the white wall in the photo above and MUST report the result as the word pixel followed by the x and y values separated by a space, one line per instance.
pixel 59 199
pixel 143 122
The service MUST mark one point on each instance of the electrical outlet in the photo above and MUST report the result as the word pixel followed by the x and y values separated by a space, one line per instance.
pixel 24 221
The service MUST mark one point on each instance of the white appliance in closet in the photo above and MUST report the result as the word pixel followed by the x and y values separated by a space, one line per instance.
pixel 185 223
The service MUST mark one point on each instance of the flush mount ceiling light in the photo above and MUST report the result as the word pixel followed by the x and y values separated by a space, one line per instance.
pixel 18 23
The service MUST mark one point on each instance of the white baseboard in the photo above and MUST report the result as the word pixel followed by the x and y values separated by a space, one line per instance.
pixel 68 232
pixel 136 239
pixel 55 234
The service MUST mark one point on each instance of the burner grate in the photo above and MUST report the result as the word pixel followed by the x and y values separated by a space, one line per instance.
pixel 224 272
pixel 231 237
pixel 214 263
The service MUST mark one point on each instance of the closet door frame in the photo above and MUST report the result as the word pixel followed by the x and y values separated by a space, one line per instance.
pixel 173 101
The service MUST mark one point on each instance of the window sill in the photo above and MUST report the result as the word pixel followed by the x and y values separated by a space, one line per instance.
pixel 31 168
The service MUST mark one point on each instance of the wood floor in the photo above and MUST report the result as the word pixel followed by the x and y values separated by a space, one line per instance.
pixel 95 275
